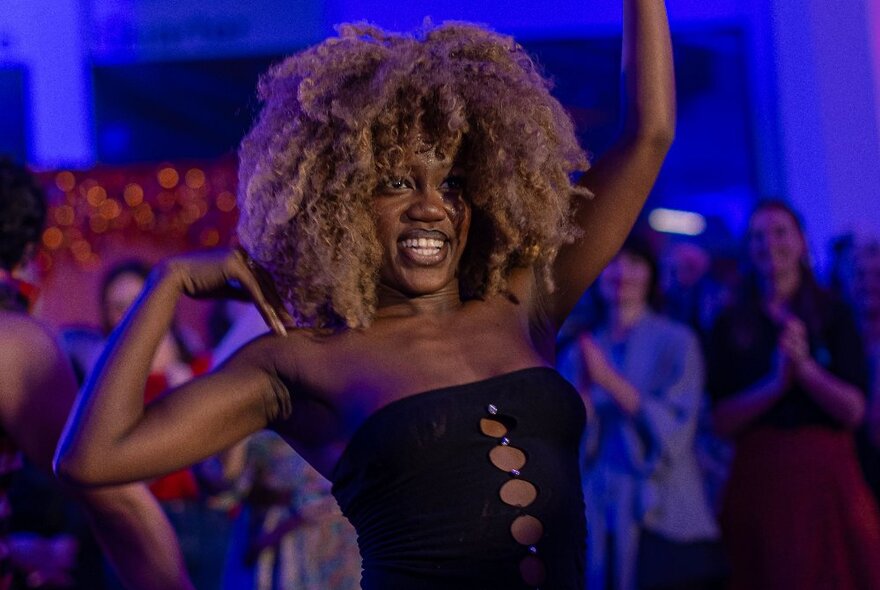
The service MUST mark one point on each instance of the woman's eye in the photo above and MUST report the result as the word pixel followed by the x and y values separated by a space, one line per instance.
pixel 453 184
pixel 396 184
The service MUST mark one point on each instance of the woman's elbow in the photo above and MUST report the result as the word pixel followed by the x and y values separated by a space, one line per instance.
pixel 75 470
pixel 660 137
pixel 854 416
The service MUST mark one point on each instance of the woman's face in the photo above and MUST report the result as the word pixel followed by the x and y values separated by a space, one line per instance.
pixel 120 294
pixel 626 281
pixel 775 243
pixel 422 224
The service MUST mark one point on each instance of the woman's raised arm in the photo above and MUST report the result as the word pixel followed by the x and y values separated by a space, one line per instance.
pixel 111 437
pixel 622 179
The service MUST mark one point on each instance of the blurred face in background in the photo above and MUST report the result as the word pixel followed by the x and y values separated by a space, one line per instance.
pixel 626 281
pixel 775 243
pixel 684 265
pixel 120 294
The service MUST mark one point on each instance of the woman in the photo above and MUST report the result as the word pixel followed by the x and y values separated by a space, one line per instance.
pixel 410 198
pixel 786 370
pixel 37 389
pixel 865 291
pixel 860 284
pixel 648 519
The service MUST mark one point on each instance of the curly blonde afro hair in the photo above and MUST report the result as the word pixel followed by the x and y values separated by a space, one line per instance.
pixel 342 116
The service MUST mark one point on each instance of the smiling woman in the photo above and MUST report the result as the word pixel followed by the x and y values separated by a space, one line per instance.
pixel 398 105
pixel 787 374
pixel 422 223
pixel 414 239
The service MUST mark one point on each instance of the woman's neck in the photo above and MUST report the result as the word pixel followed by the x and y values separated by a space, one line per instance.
pixel 394 304
pixel 781 287
pixel 625 315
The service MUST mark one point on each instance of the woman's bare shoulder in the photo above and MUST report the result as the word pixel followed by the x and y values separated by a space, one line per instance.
pixel 24 337
pixel 33 369
pixel 291 356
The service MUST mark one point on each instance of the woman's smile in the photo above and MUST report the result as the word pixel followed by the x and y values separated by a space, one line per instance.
pixel 424 247
pixel 422 221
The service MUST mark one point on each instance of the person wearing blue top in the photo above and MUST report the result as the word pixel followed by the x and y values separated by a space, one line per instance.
pixel 649 522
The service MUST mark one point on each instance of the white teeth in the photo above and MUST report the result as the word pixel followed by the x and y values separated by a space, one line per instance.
pixel 425 246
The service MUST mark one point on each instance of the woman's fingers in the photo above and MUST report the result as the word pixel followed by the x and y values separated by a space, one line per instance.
pixel 251 284
pixel 793 341
pixel 267 286
pixel 233 275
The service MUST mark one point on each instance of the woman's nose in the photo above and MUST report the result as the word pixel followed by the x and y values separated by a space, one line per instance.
pixel 427 205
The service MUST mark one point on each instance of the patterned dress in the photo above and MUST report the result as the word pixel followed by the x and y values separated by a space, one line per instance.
pixel 317 549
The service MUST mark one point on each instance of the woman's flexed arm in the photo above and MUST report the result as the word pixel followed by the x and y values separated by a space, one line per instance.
pixel 112 438
pixel 623 177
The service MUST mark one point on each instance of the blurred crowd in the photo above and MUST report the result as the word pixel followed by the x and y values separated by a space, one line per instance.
pixel 733 437
pixel 734 431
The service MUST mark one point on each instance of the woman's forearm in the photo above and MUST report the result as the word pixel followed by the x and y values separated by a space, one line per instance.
pixel 647 69
pixel 624 393
pixel 623 177
pixel 136 537
pixel 842 401
pixel 734 413
pixel 111 438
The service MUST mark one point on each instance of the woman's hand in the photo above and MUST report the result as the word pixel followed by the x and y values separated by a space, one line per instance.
pixel 603 374
pixel 841 400
pixel 794 342
pixel 598 368
pixel 229 274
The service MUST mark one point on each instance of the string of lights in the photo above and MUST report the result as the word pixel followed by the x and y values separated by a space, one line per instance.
pixel 185 204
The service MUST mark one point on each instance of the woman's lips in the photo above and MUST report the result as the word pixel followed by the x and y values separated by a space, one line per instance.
pixel 424 251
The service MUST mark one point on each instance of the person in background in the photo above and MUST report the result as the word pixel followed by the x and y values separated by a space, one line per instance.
pixel 866 297
pixel 649 523
pixel 857 276
pixel 690 294
pixel 290 533
pixel 203 529
pixel 693 296
pixel 37 389
pixel 787 374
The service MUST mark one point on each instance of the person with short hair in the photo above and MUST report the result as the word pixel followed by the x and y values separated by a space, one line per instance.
pixel 37 389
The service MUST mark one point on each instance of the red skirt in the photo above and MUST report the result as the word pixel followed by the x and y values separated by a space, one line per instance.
pixel 797 514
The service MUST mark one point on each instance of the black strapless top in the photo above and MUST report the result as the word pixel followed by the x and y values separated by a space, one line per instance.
pixel 424 482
